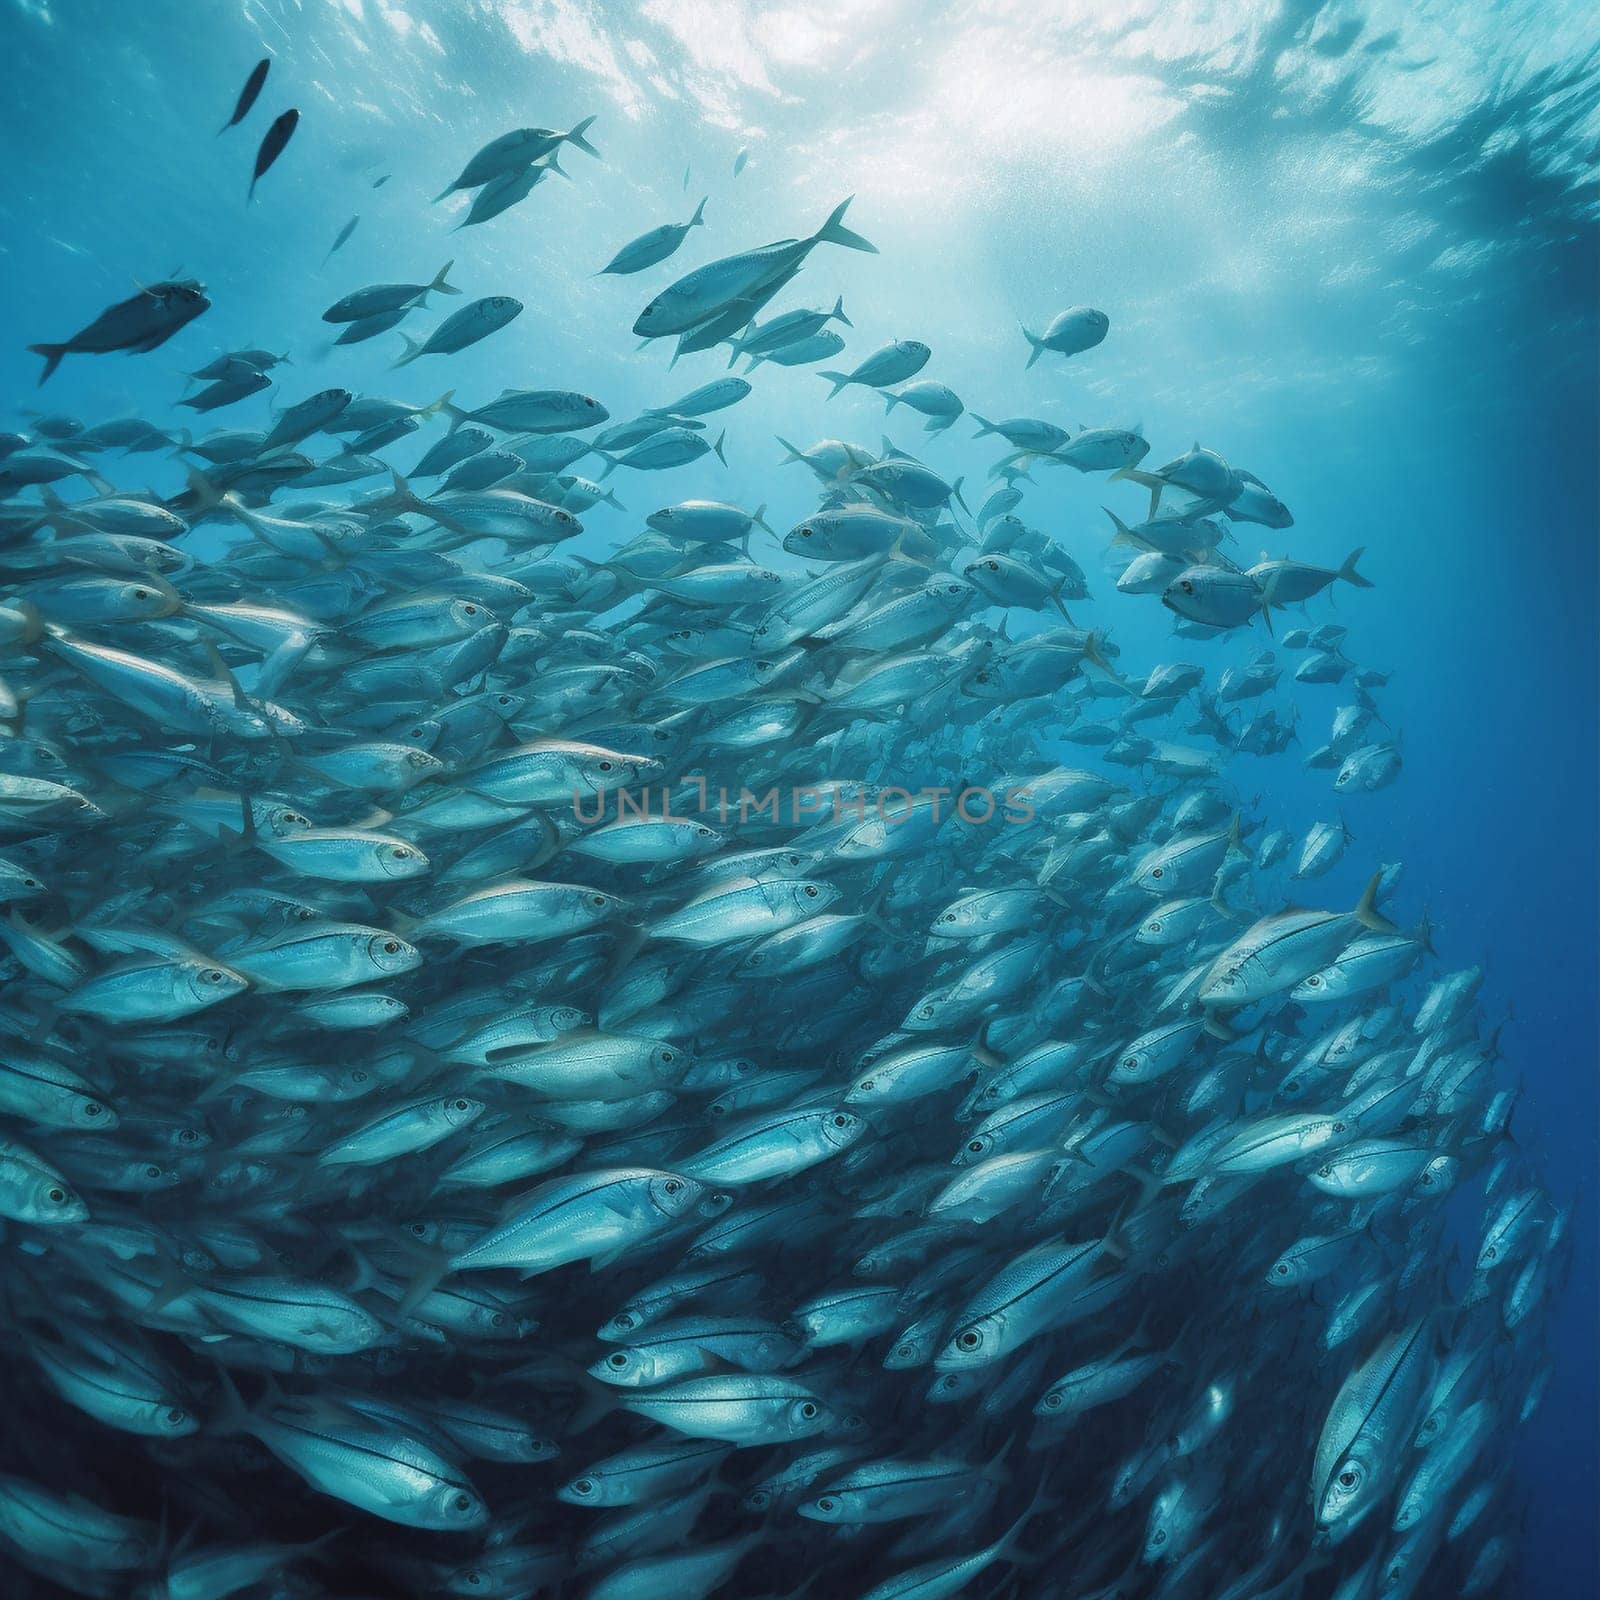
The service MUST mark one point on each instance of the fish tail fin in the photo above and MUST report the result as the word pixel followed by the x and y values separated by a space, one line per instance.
pixel 440 285
pixel 985 426
pixel 234 1415
pixel 793 455
pixel 413 350
pixel 1235 838
pixel 433 1268
pixel 721 439
pixel 1348 570
pixel 1424 934
pixel 206 493
pixel 610 466
pixel 833 231
pixel 402 497
pixel 1124 534
pixel 1267 592
pixel 837 314
pixel 759 519
pixel 1094 654
pixel 182 441
pixel 173 1284
pixel 434 407
pixel 698 220
pixel 890 400
pixel 955 494
pixel 443 192
pixel 1367 913
pixel 576 136
pixel 52 354
pixel 837 379
pixel 1036 345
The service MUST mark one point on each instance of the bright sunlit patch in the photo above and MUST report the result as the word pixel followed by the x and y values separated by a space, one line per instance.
pixel 716 37
pixel 570 31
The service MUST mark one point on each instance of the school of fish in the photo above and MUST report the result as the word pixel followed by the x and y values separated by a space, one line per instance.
pixel 771 1061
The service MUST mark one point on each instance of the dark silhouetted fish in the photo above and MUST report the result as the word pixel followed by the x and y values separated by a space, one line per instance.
pixel 247 95
pixel 278 135
pixel 137 324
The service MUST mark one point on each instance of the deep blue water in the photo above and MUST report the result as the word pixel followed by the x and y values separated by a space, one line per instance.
pixel 1353 250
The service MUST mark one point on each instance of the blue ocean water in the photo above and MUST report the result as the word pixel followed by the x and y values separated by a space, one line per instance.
pixel 1352 247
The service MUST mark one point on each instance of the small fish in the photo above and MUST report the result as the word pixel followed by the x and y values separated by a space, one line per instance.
pixel 272 146
pixel 341 239
pixel 248 94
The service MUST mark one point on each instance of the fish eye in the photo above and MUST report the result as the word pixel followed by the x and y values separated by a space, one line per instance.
pixel 391 947
pixel 152 1172
pixel 841 1120
pixel 1325 1171
pixel 141 594
pixel 503 699
pixel 597 899
pixel 619 1359
pixel 185 1136
pixel 474 1578
pixel 176 1415
pixel 461 1105
pixel 1052 1400
pixel 358 1076
pixel 993 566
pixel 1338 1127
pixel 926 1013
pixel 1292 1086
pixel 1155 925
pixel 1130 1063
pixel 672 1186
pixel 970 1340
pixel 462 1502
pixel 976 1146
pixel 1313 982
pixel 469 611
pixel 866 1083
pixel 1155 872
pixel 56 1196
pixel 1489 1253
pixel 30 883
pixel 1283 1269
pixel 419 1229
pixel 826 1503
pixel 805 533
pixel 91 1108
pixel 213 976
pixel 400 853
pixel 811 891
pixel 1160 1536
pixel 604 766
pixel 1347 1480
pixel 1186 586
pixel 808 1410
